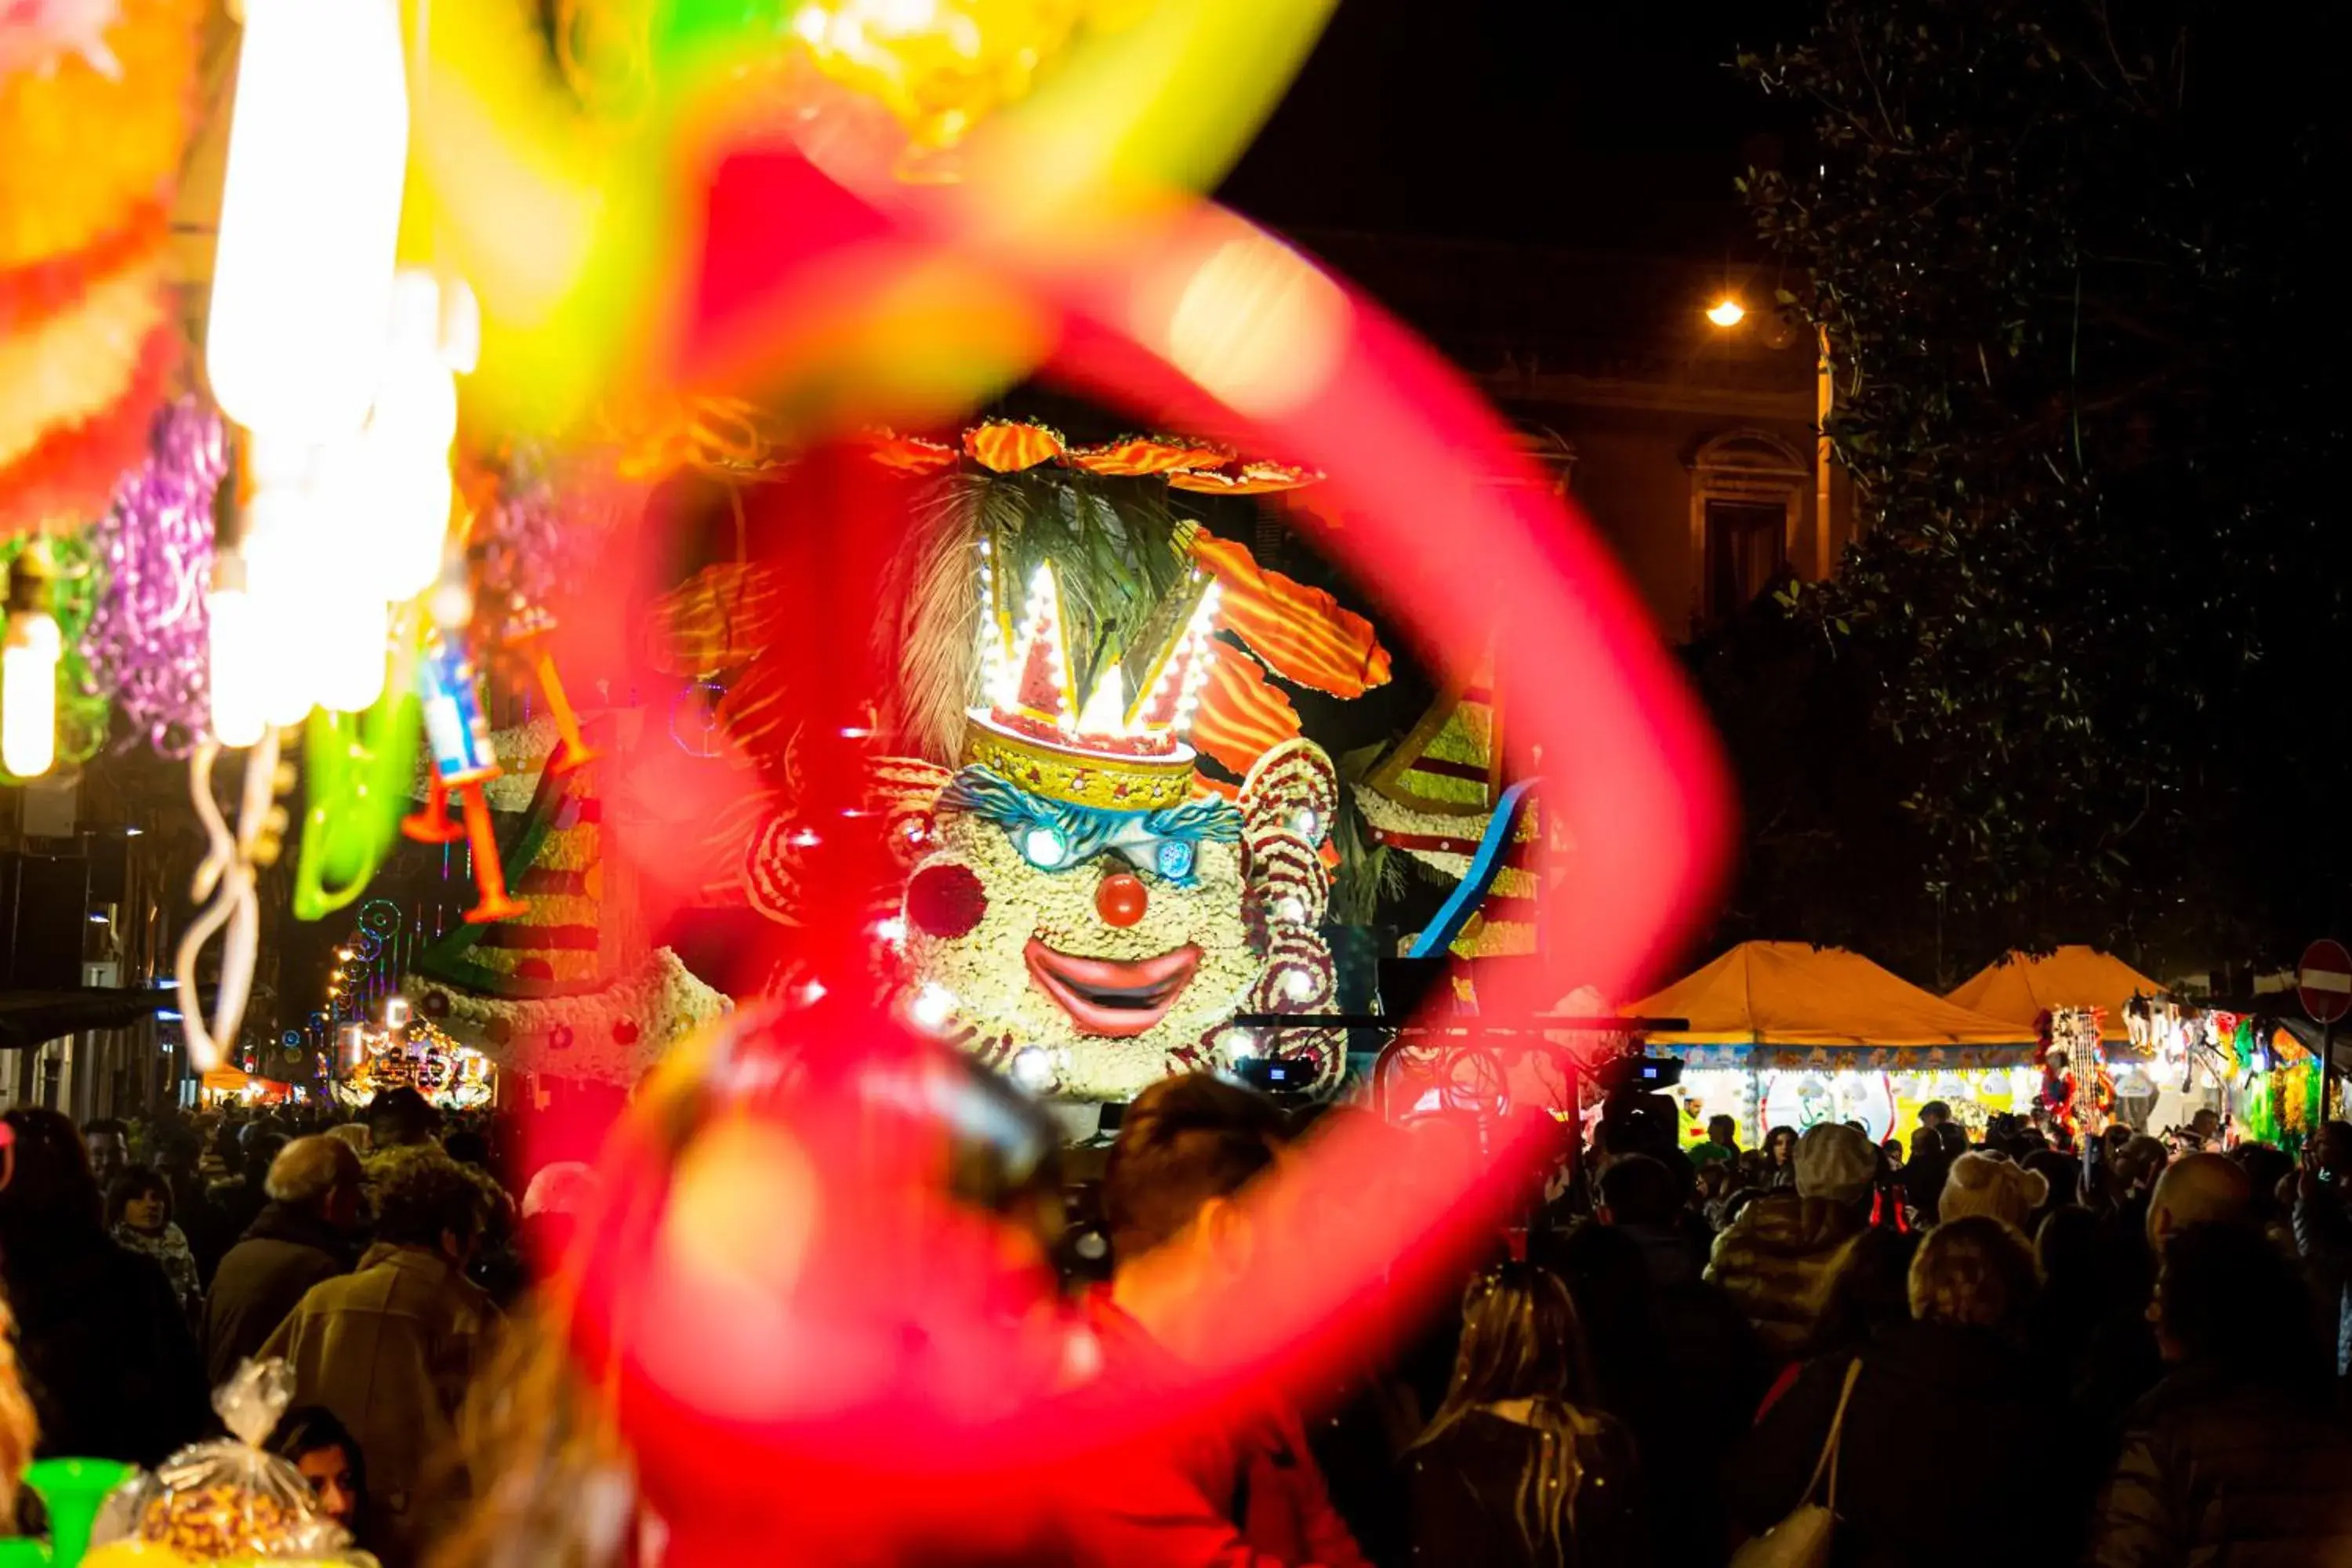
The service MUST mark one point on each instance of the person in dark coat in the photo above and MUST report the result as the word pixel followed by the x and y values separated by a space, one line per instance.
pixel 104 1353
pixel 2234 1456
pixel 1779 1255
pixel 237 1199
pixel 1711 1367
pixel 2120 1360
pixel 1925 1172
pixel 1905 1492
pixel 1520 1466
pixel 301 1238
pixel 178 1151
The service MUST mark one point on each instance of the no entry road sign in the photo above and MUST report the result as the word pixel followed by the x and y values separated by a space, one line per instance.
pixel 2325 981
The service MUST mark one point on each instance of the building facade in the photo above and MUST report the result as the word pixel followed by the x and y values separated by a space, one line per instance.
pixel 1690 442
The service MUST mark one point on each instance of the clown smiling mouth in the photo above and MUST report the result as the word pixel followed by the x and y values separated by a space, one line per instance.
pixel 1112 996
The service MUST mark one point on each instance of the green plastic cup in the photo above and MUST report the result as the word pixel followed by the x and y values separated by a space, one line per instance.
pixel 71 1490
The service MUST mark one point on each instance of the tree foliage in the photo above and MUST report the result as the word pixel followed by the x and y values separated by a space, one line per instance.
pixel 2078 266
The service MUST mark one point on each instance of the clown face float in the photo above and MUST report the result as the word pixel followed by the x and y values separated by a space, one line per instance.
pixel 1081 910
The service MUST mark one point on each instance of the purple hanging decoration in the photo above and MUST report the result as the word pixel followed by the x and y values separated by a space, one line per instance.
pixel 149 631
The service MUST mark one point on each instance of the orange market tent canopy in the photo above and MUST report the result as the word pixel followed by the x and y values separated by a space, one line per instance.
pixel 2019 988
pixel 1789 1004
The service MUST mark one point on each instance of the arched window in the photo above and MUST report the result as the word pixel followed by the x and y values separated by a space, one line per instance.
pixel 1748 498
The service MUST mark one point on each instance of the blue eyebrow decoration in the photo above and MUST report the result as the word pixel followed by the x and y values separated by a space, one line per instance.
pixel 1088 830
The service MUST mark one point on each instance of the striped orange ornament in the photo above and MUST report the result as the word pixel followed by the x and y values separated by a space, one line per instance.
pixel 1242 715
pixel 720 617
pixel 1008 446
pixel 1301 633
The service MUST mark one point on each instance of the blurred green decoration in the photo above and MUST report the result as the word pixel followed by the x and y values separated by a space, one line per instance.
pixel 83 715
pixel 691 35
pixel 71 1490
pixel 358 769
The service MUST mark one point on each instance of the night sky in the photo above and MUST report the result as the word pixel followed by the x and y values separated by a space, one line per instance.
pixel 1612 125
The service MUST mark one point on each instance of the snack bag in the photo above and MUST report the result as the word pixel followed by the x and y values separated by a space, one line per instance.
pixel 229 1498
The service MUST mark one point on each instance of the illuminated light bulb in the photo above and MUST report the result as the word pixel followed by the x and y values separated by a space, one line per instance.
pixel 1106 711
pixel 1726 312
pixel 396 1011
pixel 1032 1069
pixel 451 604
pixel 353 656
pixel 932 1007
pixel 891 929
pixel 1239 1045
pixel 461 326
pixel 283 619
pixel 1305 821
pixel 28 668
pixel 317 150
pixel 1044 846
pixel 401 461
pixel 1298 986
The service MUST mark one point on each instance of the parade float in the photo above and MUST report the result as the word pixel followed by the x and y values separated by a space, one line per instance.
pixel 566 980
pixel 1116 842
pixel 410 1053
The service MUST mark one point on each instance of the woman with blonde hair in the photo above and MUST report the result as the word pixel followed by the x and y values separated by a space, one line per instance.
pixel 1520 1465
pixel 1971 1289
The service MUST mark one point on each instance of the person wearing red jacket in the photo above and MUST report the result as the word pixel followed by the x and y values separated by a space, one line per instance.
pixel 1221 1480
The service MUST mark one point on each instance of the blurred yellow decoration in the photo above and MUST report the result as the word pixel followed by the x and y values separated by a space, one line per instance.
pixel 135 1554
pixel 940 66
pixel 1054 117
pixel 551 213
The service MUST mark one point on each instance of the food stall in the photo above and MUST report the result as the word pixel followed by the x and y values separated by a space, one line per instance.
pixel 226 1086
pixel 1787 1033
pixel 2074 998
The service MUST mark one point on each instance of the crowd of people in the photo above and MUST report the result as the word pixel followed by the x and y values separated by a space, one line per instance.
pixel 144 1264
pixel 2125 1355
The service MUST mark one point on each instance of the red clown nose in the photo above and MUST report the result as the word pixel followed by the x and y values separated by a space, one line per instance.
pixel 1121 899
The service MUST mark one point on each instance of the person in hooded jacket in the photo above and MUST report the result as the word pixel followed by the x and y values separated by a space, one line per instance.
pixel 1779 1257
pixel 1898 1504
pixel 2234 1458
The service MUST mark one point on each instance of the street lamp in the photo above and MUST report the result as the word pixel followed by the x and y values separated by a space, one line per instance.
pixel 1726 313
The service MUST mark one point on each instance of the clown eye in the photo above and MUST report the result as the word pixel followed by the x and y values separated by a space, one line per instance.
pixel 1044 847
pixel 1174 858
